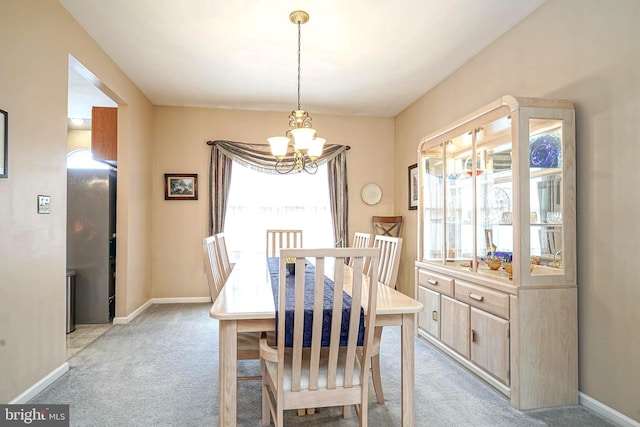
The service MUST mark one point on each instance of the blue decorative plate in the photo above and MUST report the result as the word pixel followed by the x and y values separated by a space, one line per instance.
pixel 545 151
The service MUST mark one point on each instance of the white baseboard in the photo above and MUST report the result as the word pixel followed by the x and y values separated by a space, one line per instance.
pixel 45 382
pixel 181 300
pixel 606 412
pixel 143 307
pixel 129 318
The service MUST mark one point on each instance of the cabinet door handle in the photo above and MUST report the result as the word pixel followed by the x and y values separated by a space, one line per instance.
pixel 432 282
pixel 434 315
pixel 473 336
pixel 476 297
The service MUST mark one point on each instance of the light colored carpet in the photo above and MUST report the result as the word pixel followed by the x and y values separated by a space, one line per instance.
pixel 162 370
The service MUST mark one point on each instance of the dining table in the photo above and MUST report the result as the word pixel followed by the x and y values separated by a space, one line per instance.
pixel 246 304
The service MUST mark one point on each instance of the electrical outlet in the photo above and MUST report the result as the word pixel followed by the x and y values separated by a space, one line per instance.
pixel 44 204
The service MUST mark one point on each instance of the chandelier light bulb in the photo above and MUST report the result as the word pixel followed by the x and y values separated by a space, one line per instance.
pixel 302 138
pixel 279 146
pixel 315 147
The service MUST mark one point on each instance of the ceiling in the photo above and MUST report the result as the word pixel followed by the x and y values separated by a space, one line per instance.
pixel 358 57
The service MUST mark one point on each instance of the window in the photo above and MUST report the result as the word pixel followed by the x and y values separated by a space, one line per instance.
pixel 259 201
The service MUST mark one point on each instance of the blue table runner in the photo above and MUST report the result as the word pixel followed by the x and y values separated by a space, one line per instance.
pixel 274 272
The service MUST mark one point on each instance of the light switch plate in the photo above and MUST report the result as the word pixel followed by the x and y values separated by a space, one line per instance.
pixel 44 204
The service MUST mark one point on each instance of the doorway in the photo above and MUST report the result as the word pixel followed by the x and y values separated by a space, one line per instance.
pixel 93 315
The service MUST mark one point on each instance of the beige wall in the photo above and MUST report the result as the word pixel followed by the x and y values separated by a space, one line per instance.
pixel 77 139
pixel 586 51
pixel 36 38
pixel 180 146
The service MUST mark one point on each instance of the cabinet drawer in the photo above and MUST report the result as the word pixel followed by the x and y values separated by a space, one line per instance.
pixel 436 282
pixel 485 299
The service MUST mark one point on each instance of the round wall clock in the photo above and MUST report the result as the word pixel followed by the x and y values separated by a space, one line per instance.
pixel 371 194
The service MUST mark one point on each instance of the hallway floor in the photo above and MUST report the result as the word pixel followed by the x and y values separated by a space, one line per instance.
pixel 83 336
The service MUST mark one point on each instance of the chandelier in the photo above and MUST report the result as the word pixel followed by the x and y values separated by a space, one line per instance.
pixel 307 146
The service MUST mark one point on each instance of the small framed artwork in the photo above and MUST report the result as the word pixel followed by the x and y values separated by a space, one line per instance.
pixel 413 187
pixel 4 143
pixel 181 186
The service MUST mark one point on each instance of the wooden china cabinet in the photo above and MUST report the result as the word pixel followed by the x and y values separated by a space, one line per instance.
pixel 498 187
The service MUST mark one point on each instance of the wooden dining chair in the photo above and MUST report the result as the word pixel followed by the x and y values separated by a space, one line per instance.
pixel 278 239
pixel 212 266
pixel 390 250
pixel 248 342
pixel 387 225
pixel 309 374
pixel 360 240
pixel 223 255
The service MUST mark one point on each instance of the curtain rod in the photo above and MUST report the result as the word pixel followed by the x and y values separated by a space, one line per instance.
pixel 213 142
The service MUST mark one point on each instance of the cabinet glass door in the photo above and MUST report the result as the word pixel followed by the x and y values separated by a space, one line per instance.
pixel 433 203
pixel 545 185
pixel 459 198
pixel 494 195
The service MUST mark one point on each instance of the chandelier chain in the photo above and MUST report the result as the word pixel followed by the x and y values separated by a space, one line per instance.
pixel 299 38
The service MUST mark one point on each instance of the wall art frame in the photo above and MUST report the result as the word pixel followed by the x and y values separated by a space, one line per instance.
pixel 4 143
pixel 413 187
pixel 181 186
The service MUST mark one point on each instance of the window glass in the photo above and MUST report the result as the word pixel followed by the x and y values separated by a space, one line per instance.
pixel 259 201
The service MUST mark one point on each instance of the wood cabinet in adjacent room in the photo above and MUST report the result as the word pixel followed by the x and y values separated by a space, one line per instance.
pixel 104 133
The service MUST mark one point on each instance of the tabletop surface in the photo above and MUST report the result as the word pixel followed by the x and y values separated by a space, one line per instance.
pixel 247 294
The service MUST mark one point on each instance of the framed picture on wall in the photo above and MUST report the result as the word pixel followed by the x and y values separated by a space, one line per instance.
pixel 413 187
pixel 181 186
pixel 4 136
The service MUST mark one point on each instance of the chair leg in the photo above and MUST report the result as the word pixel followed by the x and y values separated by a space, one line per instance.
pixel 346 412
pixel 377 381
pixel 266 412
pixel 363 415
pixel 279 422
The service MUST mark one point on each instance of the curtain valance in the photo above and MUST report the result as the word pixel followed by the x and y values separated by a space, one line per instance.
pixel 258 156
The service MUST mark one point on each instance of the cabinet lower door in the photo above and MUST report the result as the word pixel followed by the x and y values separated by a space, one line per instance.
pixel 490 343
pixel 455 325
pixel 429 317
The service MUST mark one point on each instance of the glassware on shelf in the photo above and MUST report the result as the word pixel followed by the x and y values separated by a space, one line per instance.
pixel 554 217
pixel 494 262
pixel 506 218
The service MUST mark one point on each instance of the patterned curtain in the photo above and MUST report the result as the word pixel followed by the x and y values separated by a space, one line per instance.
pixel 339 195
pixel 258 157
pixel 219 182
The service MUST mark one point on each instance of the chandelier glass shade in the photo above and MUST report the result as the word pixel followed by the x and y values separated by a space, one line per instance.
pixel 307 145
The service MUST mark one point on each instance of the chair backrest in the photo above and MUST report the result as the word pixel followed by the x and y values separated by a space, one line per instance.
pixel 212 266
pixel 316 369
pixel 223 256
pixel 390 249
pixel 278 239
pixel 387 225
pixel 361 240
